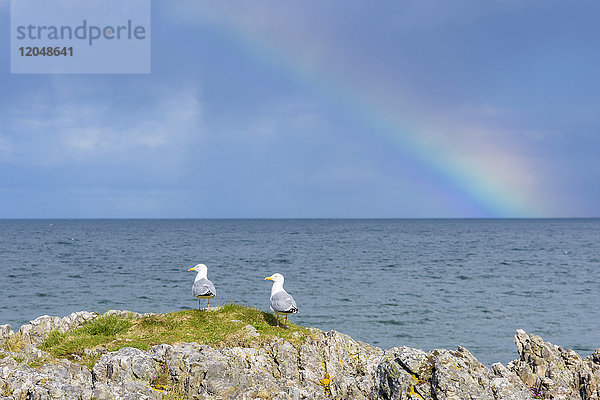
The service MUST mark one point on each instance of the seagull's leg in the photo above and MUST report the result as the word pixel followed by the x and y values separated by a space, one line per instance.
pixel 199 304
pixel 285 326
pixel 208 304
pixel 277 316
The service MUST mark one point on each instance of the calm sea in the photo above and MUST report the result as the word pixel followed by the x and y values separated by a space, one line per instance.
pixel 420 283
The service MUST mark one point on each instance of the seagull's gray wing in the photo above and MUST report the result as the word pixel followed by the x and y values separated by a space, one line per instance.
pixel 282 301
pixel 203 287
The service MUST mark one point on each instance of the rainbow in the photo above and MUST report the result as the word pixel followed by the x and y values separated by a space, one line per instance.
pixel 491 180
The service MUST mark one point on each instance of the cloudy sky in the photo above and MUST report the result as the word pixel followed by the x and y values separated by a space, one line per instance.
pixel 410 108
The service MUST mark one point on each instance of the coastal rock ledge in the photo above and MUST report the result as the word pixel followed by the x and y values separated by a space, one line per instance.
pixel 326 365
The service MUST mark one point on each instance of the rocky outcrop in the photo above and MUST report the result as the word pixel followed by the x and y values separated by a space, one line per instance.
pixel 554 372
pixel 327 365
pixel 332 366
pixel 442 374
pixel 60 379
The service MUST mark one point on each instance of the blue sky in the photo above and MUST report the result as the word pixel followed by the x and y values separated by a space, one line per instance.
pixel 318 109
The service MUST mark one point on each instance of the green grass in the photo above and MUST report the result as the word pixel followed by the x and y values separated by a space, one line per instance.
pixel 90 335
pixel 14 344
pixel 217 328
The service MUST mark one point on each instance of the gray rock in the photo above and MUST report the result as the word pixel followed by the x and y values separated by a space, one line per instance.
pixel 276 370
pixel 59 380
pixel 99 351
pixel 595 357
pixel 252 332
pixel 557 373
pixel 126 364
pixel 327 365
pixel 333 364
pixel 589 379
pixel 507 385
pixel 36 331
pixel 101 391
pixel 5 332
pixel 124 313
pixel 403 372
pixel 456 373
pixel 286 358
pixel 232 373
pixel 406 373
pixel 127 390
pixel 504 389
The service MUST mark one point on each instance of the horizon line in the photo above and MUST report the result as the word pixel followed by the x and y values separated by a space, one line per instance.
pixel 287 218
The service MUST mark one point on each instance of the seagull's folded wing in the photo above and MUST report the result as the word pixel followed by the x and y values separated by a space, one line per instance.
pixel 283 302
pixel 204 287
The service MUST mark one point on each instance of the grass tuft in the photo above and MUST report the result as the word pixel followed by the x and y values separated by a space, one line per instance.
pixel 14 344
pixel 106 326
pixel 222 327
pixel 93 334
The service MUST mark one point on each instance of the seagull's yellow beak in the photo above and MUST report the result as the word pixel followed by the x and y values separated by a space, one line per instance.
pixel 268 278
pixel 192 269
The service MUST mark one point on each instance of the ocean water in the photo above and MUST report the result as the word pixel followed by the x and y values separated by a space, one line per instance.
pixel 419 283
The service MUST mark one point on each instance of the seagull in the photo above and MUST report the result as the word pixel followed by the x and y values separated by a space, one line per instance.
pixel 202 288
pixel 282 303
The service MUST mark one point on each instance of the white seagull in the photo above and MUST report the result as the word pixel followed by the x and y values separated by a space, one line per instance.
pixel 282 303
pixel 202 288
